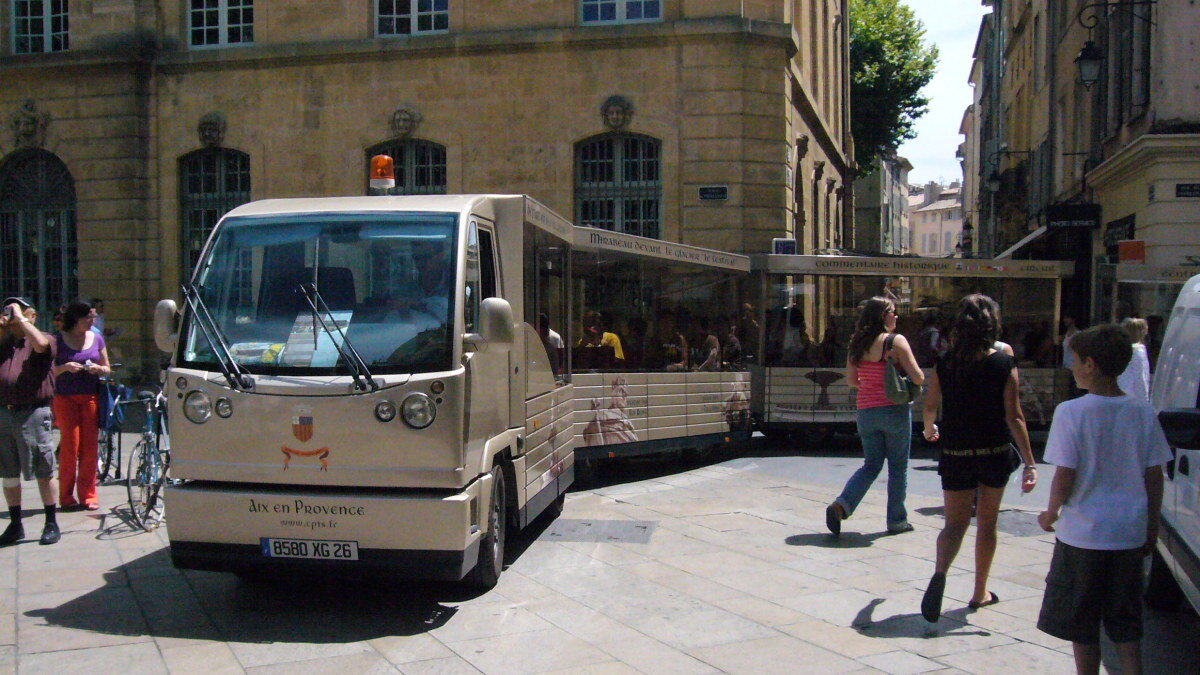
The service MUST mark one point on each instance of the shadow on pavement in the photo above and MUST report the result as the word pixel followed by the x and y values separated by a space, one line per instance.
pixel 825 540
pixel 148 596
pixel 911 625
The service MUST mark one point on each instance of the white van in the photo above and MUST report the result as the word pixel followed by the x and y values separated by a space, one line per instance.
pixel 1175 569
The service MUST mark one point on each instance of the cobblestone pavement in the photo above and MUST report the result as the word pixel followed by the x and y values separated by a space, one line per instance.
pixel 716 569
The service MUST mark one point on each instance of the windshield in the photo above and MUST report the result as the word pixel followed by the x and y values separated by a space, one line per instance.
pixel 385 277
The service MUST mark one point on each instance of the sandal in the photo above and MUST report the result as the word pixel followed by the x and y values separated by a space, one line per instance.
pixel 931 604
pixel 833 518
pixel 993 599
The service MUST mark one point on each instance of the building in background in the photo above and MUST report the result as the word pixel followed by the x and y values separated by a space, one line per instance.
pixel 135 125
pixel 881 208
pixel 936 219
pixel 1087 147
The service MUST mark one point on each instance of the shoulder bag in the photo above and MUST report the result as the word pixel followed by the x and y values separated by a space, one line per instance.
pixel 897 386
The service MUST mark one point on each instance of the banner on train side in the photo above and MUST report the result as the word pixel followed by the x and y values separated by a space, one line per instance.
pixel 951 267
pixel 590 238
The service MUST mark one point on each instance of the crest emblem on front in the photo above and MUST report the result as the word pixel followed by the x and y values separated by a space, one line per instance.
pixel 302 424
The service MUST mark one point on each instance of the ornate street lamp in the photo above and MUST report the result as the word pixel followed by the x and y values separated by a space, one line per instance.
pixel 1088 62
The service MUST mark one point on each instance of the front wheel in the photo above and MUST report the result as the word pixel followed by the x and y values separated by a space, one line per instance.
pixel 144 480
pixel 491 546
pixel 108 465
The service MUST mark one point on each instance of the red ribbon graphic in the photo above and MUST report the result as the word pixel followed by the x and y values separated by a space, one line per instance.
pixel 288 453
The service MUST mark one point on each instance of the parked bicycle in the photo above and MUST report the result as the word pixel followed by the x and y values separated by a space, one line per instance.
pixel 149 462
pixel 111 415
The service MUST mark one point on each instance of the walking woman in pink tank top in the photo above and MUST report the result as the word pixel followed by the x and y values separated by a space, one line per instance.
pixel 885 428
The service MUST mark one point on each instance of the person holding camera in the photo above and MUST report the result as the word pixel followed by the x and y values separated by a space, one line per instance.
pixel 26 388
pixel 80 361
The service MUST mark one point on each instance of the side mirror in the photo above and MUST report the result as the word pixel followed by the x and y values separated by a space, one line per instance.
pixel 495 327
pixel 166 334
pixel 1182 427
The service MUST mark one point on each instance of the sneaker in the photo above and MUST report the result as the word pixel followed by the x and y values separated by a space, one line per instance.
pixel 12 534
pixel 833 519
pixel 901 528
pixel 50 534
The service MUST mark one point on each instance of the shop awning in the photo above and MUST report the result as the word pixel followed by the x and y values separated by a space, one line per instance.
pixel 1025 241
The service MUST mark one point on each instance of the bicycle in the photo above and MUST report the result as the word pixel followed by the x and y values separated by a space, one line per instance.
pixel 110 417
pixel 149 463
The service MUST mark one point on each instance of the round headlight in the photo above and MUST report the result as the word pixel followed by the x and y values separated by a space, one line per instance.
pixel 181 383
pixel 197 407
pixel 385 411
pixel 418 410
pixel 224 408
pixel 437 387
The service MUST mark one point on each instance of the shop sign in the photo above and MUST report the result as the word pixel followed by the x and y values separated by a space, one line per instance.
pixel 1072 216
pixel 1131 251
pixel 1187 190
pixel 783 246
pixel 714 193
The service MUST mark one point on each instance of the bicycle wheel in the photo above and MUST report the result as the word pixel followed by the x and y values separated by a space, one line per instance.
pixel 144 480
pixel 108 464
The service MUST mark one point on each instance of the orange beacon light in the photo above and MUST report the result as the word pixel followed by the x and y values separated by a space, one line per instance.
pixel 383 172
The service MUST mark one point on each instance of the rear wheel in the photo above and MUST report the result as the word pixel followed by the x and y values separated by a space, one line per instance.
pixel 144 480
pixel 491 546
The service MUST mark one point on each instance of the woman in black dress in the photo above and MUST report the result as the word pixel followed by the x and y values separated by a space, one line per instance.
pixel 976 385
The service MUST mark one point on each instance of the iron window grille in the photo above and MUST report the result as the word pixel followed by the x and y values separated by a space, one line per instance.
pixel 620 11
pixel 39 257
pixel 420 166
pixel 40 26
pixel 212 182
pixel 407 17
pixel 618 184
pixel 217 23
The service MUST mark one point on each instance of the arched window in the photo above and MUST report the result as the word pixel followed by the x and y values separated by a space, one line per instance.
pixel 618 184
pixel 420 166
pixel 38 255
pixel 211 182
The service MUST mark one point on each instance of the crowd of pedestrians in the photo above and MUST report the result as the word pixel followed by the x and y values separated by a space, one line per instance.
pixel 1106 445
pixel 46 381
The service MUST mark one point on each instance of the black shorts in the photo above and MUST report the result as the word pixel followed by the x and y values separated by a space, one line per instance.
pixel 967 472
pixel 1086 587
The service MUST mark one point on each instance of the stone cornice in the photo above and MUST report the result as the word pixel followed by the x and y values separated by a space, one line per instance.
pixel 169 61
pixel 1145 149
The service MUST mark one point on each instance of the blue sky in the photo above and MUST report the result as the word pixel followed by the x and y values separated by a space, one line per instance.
pixel 952 25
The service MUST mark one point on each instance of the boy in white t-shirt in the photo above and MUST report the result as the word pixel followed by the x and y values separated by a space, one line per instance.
pixel 1105 499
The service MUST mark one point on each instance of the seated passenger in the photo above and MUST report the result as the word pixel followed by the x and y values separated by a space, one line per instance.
pixel 710 348
pixel 667 349
pixel 595 336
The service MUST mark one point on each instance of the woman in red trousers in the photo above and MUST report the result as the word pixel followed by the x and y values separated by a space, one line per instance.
pixel 81 359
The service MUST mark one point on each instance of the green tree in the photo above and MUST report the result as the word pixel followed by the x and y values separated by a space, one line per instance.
pixel 889 65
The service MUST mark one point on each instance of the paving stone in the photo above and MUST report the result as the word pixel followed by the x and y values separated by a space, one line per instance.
pixel 842 640
pixel 901 663
pixel 400 649
pixel 251 654
pixel 531 652
pixel 363 663
pixel 1032 659
pixel 200 659
pixel 488 620
pixel 130 659
pixel 778 654
pixel 452 665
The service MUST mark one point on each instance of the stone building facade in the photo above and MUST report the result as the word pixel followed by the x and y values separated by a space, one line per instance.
pixel 142 122
pixel 881 215
pixel 1069 169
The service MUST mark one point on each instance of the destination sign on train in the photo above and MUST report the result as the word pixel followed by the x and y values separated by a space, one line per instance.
pixel 862 265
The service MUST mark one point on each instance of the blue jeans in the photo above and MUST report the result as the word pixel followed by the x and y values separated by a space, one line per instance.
pixel 886 433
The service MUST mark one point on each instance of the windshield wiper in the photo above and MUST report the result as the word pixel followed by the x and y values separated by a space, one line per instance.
pixel 358 367
pixel 237 378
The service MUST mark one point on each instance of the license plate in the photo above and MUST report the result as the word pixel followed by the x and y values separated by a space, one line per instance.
pixel 310 549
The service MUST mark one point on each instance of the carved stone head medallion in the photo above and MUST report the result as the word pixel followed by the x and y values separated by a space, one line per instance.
pixel 404 121
pixel 29 126
pixel 617 112
pixel 211 129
